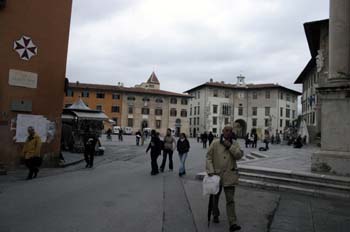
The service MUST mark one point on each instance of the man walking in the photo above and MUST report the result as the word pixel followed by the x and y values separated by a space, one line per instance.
pixel 221 160
pixel 169 146
pixel 156 149
pixel 90 141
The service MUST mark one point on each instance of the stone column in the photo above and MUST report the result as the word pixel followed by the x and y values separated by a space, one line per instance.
pixel 334 156
pixel 339 39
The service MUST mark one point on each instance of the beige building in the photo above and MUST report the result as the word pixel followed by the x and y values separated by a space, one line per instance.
pixel 146 106
pixel 142 106
pixel 245 106
pixel 314 74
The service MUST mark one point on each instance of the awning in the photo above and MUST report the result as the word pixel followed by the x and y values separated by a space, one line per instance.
pixel 90 115
pixel 67 116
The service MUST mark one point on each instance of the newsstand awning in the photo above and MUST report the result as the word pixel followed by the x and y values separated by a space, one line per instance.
pixel 90 115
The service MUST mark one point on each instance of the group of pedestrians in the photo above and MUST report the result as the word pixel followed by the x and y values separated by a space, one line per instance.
pixel 167 146
pixel 205 138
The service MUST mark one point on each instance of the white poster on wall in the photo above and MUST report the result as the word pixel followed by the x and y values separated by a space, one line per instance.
pixel 38 122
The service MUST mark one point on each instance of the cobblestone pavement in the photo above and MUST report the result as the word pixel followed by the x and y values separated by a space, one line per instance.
pixel 118 194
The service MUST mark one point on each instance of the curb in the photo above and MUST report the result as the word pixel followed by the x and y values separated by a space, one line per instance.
pixel 71 163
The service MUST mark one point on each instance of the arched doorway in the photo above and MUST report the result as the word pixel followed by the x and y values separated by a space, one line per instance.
pixel 240 128
pixel 177 127
pixel 144 124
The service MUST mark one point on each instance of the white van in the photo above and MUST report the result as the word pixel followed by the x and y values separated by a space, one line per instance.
pixel 116 129
pixel 127 130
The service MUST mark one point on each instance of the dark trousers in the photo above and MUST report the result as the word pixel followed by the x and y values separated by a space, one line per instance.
pixel 230 204
pixel 89 158
pixel 154 163
pixel 254 143
pixel 165 153
pixel 204 143
pixel 267 145
pixel 33 168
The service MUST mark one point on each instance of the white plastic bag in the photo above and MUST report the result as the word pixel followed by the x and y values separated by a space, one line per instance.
pixel 211 184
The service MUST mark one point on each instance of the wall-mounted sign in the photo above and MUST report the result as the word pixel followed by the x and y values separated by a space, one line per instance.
pixel 23 79
pixel 25 47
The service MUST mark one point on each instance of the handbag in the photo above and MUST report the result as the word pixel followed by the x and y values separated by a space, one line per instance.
pixel 211 184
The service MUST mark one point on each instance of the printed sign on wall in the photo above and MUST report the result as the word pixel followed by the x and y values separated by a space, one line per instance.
pixel 25 47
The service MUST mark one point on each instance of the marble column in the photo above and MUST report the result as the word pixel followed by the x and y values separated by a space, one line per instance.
pixel 339 39
pixel 334 156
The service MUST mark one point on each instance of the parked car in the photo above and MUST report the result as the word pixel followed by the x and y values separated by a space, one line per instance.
pixel 127 130
pixel 116 130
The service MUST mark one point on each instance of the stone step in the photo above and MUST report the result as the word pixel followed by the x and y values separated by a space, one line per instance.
pixel 258 154
pixel 291 188
pixel 295 182
pixel 313 177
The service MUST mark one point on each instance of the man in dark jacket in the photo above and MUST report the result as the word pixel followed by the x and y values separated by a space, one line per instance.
pixel 210 137
pixel 156 147
pixel 204 138
pixel 183 146
pixel 90 141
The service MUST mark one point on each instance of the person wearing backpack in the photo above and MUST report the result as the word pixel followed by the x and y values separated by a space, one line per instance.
pixel 183 146
pixel 155 146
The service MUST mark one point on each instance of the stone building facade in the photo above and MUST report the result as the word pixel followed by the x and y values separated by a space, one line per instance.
pixel 247 107
pixel 33 56
pixel 142 106
pixel 314 74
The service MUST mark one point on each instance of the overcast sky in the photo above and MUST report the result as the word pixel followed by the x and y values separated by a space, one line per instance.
pixel 187 42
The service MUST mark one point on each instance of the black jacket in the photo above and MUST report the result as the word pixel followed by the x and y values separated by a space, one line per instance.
pixel 155 145
pixel 183 146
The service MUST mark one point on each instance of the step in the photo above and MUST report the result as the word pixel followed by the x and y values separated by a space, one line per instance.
pixel 289 188
pixel 292 181
pixel 337 180
pixel 258 154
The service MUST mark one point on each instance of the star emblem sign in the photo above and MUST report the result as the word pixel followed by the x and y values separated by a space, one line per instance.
pixel 25 47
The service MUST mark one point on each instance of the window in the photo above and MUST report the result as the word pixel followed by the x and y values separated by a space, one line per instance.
pixel 159 100
pixel 183 113
pixel 281 111
pixel 100 95
pixel 199 94
pixel 131 98
pixel 173 100
pixel 99 107
pixel 254 111
pixel 293 99
pixel 226 109
pixel 288 113
pixel 281 122
pixel 255 95
pixel 197 120
pixel 115 96
pixel 197 109
pixel 85 93
pixel 254 122
pixel 131 110
pixel 313 117
pixel 115 120
pixel 215 130
pixel 69 93
pixel 194 121
pixel 184 101
pixel 115 109
pixel 158 124
pixel 215 92
pixel 227 94
pixel 266 122
pixel 227 121
pixel 145 111
pixel 267 111
pixel 190 121
pixel 281 96
pixel 288 97
pixel 173 112
pixel 267 94
pixel 215 109
pixel 158 112
pixel 240 110
pixel 130 122
pixel 145 99
pixel 293 114
pixel 215 120
pixel 287 123
pixel 191 111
